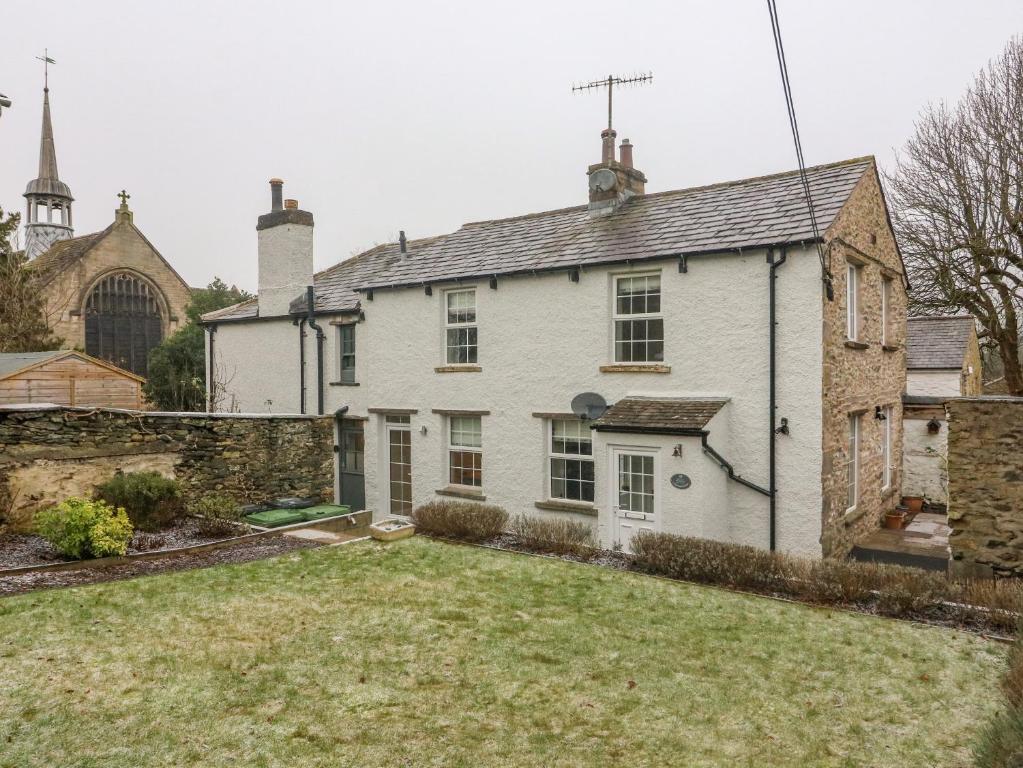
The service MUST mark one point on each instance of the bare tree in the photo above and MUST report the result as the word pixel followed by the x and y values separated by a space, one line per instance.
pixel 957 205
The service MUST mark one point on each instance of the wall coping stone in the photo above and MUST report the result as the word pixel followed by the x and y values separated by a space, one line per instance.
pixel 45 407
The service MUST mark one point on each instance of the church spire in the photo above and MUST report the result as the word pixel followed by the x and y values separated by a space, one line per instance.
pixel 47 150
pixel 48 213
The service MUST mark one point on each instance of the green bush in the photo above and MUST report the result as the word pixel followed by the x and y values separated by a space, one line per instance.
pixel 217 514
pixel 151 500
pixel 80 528
pixel 559 537
pixel 459 520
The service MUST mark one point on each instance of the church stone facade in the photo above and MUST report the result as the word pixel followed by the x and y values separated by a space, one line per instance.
pixel 110 294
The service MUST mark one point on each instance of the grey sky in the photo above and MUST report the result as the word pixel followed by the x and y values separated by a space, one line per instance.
pixel 421 116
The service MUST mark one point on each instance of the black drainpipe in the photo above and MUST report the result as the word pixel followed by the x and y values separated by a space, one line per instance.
pixel 301 363
pixel 310 300
pixel 773 407
pixel 211 370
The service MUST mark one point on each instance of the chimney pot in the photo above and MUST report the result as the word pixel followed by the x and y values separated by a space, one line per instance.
pixel 290 204
pixel 402 242
pixel 607 155
pixel 276 191
pixel 626 153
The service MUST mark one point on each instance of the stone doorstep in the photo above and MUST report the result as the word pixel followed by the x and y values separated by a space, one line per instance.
pixel 325 537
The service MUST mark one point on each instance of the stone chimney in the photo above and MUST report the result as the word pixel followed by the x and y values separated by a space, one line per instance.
pixel 285 253
pixel 613 181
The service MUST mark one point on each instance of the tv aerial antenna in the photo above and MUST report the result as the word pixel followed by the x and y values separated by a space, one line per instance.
pixel 611 82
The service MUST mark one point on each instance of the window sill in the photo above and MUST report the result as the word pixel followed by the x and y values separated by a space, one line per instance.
pixel 856 344
pixel 461 493
pixel 558 505
pixel 343 383
pixel 636 368
pixel 852 515
pixel 461 368
pixel 891 347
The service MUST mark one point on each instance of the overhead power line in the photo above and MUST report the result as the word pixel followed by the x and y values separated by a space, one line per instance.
pixel 779 48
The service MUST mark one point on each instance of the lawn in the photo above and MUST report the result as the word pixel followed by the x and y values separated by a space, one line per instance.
pixel 423 653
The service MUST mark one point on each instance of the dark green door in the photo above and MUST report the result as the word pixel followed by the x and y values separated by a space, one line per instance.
pixel 352 449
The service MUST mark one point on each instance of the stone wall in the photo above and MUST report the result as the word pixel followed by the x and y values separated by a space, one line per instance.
pixel 47 454
pixel 861 375
pixel 985 493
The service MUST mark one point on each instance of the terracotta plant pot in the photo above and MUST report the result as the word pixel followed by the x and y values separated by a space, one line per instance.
pixel 894 519
pixel 915 503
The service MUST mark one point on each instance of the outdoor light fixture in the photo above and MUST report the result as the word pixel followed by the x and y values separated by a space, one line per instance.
pixel 784 428
pixel 879 413
pixel 677 453
pixel 422 429
pixel 933 426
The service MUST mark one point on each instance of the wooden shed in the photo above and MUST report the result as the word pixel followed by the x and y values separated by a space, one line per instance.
pixel 67 377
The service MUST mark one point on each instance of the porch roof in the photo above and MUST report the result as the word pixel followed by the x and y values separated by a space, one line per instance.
pixel 666 415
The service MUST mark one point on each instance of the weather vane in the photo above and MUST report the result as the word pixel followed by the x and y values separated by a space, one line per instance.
pixel 47 61
pixel 610 82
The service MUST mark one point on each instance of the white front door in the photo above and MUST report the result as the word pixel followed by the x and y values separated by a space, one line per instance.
pixel 634 503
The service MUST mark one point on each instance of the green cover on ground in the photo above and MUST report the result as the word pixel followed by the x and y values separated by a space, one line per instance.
pixel 321 511
pixel 274 518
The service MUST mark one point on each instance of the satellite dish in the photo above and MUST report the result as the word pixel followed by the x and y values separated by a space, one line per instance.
pixel 603 180
pixel 588 405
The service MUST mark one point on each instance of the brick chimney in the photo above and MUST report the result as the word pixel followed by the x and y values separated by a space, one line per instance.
pixel 613 181
pixel 285 253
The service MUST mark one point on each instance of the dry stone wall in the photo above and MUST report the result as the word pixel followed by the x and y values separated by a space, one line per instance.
pixel 985 479
pixel 47 454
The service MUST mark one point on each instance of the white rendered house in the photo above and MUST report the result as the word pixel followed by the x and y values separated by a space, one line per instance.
pixel 452 362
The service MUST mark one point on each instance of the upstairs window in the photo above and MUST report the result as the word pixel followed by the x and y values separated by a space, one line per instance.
pixel 886 303
pixel 638 323
pixel 460 327
pixel 346 353
pixel 465 451
pixel 571 460
pixel 853 277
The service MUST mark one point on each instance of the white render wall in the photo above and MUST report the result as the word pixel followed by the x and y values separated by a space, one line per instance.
pixel 924 461
pixel 257 366
pixel 934 383
pixel 285 255
pixel 542 340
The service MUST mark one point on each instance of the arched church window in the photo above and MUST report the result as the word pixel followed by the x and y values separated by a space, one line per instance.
pixel 123 321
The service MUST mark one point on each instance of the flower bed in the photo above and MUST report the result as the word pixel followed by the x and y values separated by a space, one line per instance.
pixel 17 550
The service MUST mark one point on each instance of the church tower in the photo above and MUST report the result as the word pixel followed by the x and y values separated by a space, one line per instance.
pixel 48 214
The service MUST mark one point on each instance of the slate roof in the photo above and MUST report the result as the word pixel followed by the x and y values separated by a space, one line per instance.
pixel 938 342
pixel 63 253
pixel 669 415
pixel 745 214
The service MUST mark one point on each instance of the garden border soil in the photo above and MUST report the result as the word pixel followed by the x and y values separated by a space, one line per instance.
pixel 244 551
pixel 160 554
